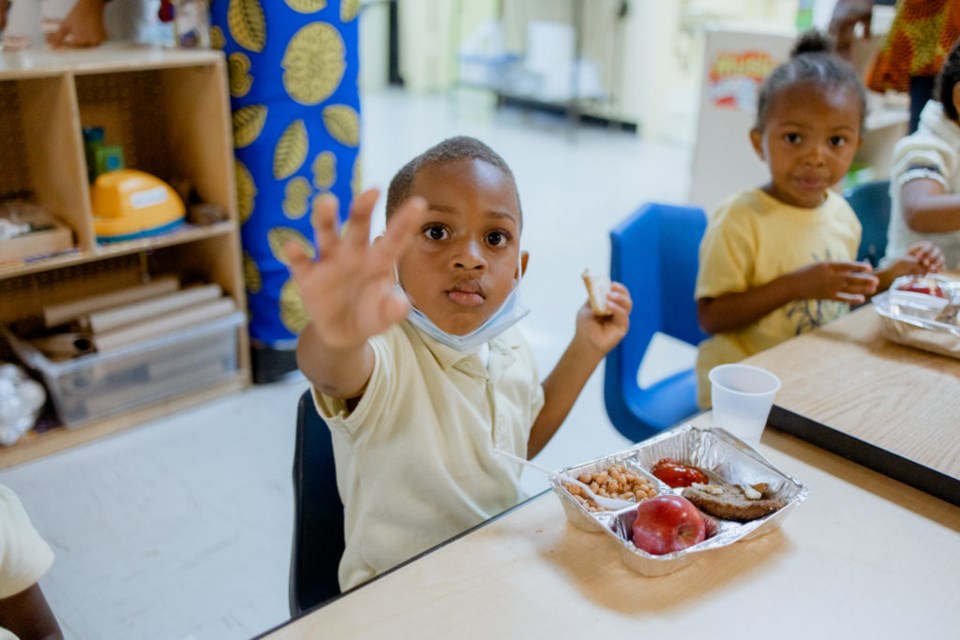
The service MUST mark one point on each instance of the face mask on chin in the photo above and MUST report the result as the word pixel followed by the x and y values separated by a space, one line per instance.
pixel 510 313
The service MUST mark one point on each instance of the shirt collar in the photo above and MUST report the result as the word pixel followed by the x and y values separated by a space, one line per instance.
pixel 448 357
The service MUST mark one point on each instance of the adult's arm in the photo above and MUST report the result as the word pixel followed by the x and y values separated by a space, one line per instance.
pixel 847 14
pixel 82 27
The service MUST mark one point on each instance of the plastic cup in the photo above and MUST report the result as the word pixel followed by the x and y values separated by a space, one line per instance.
pixel 742 398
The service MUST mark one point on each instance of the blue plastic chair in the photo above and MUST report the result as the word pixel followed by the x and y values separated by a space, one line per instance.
pixel 318 540
pixel 871 203
pixel 655 253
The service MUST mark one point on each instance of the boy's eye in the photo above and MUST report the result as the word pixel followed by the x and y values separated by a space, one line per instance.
pixel 838 141
pixel 435 232
pixel 497 238
pixel 792 138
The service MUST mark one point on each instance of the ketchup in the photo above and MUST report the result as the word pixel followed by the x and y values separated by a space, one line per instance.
pixel 676 474
pixel 923 285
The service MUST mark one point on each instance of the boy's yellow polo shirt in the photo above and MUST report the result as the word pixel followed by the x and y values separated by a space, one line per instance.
pixel 414 459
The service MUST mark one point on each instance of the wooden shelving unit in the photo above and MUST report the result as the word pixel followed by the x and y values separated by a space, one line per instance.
pixel 169 110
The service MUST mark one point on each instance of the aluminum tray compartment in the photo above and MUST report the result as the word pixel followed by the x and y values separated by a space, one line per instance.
pixel 721 455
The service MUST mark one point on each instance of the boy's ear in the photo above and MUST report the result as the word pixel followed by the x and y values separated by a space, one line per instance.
pixel 956 95
pixel 756 139
pixel 524 258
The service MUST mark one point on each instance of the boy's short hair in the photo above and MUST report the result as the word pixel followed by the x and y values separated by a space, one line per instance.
pixel 449 150
pixel 947 79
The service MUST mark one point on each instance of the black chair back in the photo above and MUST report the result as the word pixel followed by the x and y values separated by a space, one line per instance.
pixel 318 542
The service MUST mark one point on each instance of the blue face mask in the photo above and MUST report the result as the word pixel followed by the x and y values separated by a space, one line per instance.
pixel 510 313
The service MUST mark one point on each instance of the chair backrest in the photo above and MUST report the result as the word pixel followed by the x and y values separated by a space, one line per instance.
pixel 871 203
pixel 318 541
pixel 655 253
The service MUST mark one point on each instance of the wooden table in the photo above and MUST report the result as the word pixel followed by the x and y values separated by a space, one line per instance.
pixel 892 408
pixel 864 556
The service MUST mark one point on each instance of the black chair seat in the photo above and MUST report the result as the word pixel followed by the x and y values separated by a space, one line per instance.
pixel 318 541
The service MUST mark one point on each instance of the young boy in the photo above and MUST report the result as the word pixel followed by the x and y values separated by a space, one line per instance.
pixel 415 362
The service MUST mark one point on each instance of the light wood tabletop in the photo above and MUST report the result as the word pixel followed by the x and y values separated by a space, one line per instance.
pixel 864 556
pixel 893 408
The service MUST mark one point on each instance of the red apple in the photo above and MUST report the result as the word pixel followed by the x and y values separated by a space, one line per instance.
pixel 667 523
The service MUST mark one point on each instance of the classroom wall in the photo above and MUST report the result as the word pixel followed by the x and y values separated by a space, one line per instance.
pixel 649 61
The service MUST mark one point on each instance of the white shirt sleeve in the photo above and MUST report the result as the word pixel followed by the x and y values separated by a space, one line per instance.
pixel 923 156
pixel 24 555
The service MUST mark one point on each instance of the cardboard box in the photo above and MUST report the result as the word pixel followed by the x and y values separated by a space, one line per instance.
pixel 37 243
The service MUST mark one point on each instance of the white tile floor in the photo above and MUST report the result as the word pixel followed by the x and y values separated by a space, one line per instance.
pixel 181 528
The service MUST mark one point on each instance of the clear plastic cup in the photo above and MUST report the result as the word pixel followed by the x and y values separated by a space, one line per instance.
pixel 742 398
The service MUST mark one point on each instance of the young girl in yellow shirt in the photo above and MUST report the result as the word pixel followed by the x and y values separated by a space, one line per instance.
pixel 779 260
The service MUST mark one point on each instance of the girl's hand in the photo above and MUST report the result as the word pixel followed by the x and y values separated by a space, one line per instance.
pixel 927 258
pixel 851 282
pixel 606 332
pixel 349 291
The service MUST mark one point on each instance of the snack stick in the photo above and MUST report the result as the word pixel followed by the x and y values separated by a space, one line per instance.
pixel 598 286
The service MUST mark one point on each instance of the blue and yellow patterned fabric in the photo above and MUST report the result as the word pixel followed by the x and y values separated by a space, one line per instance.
pixel 293 68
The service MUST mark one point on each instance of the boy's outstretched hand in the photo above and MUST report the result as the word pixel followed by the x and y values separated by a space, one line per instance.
pixel 605 332
pixel 349 291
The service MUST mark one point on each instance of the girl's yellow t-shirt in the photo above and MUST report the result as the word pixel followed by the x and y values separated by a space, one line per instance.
pixel 754 238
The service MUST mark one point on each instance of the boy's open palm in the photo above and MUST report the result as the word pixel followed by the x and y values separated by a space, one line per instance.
pixel 349 291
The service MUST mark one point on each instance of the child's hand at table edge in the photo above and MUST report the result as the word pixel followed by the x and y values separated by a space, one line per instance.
pixel 928 256
pixel 922 258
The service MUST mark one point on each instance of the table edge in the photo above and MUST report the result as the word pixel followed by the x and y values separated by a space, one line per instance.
pixel 432 549
pixel 890 464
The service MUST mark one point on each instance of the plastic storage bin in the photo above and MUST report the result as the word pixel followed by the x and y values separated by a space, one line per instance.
pixel 94 386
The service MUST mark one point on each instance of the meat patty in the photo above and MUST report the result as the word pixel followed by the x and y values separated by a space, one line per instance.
pixel 731 502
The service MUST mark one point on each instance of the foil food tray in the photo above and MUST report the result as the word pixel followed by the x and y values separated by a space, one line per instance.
pixel 721 455
pixel 911 319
